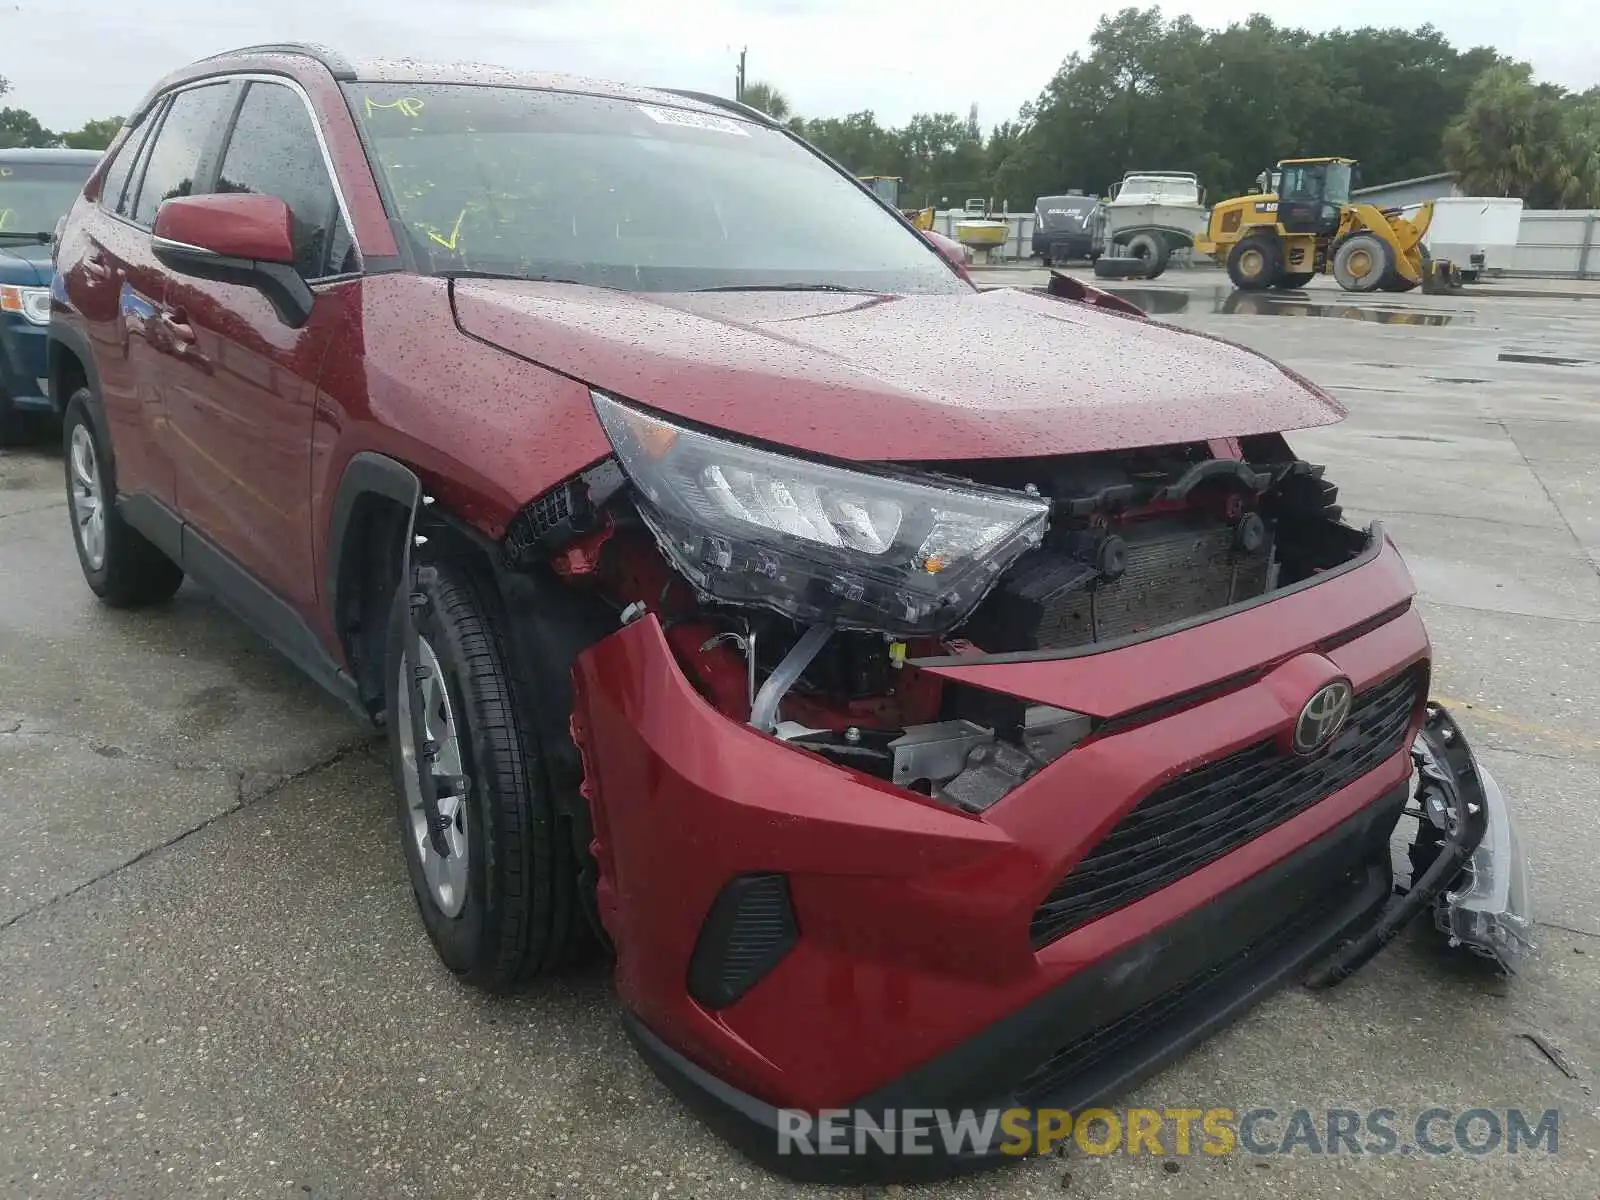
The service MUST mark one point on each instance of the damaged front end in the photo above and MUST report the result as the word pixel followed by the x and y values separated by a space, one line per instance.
pixel 842 609
pixel 888 759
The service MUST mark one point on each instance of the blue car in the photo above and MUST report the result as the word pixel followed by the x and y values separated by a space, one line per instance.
pixel 37 187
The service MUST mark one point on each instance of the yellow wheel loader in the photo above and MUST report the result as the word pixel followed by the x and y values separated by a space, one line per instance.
pixel 887 188
pixel 1301 222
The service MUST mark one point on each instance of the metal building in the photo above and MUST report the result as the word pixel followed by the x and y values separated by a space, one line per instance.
pixel 1410 191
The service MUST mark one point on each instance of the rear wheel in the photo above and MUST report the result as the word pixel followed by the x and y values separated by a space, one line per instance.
pixel 494 879
pixel 1362 261
pixel 1255 263
pixel 119 563
pixel 1297 280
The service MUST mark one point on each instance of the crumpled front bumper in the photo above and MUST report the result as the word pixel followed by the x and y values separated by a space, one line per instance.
pixel 902 976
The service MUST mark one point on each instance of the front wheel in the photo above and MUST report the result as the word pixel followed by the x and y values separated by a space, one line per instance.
pixel 1362 261
pixel 120 565
pixel 493 876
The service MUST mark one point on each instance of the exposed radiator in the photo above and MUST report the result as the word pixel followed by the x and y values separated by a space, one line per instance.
pixel 1177 568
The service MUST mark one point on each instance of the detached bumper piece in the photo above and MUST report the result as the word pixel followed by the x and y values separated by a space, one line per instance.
pixel 1487 908
pixel 1467 864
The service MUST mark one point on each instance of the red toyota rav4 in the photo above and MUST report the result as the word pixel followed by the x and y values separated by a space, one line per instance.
pixel 937 698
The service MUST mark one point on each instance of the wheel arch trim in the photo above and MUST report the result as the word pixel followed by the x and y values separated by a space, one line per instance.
pixel 366 474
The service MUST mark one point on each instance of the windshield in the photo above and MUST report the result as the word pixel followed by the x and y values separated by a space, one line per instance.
pixel 1054 211
pixel 1326 183
pixel 35 195
pixel 609 192
pixel 1160 187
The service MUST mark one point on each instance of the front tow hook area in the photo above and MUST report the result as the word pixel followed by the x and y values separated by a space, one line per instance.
pixel 1466 862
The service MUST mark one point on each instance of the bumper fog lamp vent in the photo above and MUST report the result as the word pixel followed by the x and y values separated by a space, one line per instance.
pixel 748 931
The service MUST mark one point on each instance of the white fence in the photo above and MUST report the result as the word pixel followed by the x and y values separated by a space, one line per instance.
pixel 1555 243
pixel 1561 243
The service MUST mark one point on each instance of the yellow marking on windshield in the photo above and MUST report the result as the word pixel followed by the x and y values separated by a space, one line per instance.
pixel 408 106
pixel 5 215
pixel 454 233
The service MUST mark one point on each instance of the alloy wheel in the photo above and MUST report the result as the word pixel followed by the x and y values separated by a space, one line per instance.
pixel 88 499
pixel 446 874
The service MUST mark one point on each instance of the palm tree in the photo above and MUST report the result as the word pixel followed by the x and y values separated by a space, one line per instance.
pixel 768 99
pixel 1508 139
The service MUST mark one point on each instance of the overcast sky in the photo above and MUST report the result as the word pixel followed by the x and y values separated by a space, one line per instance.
pixel 70 60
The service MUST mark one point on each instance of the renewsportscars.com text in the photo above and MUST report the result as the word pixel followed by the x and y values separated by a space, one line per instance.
pixel 1171 1131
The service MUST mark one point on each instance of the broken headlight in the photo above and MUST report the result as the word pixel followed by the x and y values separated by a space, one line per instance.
pixel 903 554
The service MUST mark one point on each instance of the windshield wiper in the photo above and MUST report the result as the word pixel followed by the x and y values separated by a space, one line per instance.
pixel 787 287
pixel 44 239
pixel 517 278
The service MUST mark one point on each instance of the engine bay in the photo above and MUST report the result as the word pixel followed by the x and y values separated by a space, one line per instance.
pixel 1138 543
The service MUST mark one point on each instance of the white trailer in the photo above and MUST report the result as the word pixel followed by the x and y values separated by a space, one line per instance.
pixel 1477 233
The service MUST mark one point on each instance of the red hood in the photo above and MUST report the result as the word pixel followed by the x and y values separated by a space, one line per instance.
pixel 995 374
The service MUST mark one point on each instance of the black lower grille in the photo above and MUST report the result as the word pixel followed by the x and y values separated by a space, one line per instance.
pixel 1087 1051
pixel 1216 808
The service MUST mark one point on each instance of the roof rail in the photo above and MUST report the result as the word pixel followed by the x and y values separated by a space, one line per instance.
pixel 338 65
pixel 722 102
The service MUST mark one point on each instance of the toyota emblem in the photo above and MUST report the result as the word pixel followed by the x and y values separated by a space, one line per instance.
pixel 1322 717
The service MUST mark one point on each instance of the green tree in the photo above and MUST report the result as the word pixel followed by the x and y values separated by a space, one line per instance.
pixel 768 99
pixel 20 128
pixel 1153 93
pixel 858 143
pixel 1512 136
pixel 95 135
pixel 1581 149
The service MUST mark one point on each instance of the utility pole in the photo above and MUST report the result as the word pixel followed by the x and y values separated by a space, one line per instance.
pixel 738 83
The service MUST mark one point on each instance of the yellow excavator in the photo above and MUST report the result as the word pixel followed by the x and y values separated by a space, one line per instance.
pixel 1301 222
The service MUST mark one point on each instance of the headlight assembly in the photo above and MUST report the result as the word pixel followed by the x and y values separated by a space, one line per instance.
pixel 900 553
pixel 32 302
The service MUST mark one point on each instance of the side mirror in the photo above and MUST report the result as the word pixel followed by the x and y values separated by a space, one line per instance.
pixel 953 251
pixel 235 237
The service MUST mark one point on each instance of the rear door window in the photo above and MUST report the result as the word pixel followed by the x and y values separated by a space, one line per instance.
pixel 116 177
pixel 174 160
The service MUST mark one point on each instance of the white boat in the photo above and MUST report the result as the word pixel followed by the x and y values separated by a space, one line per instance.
pixel 1149 214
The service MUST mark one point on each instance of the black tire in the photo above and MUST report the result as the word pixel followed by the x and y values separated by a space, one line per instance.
pixel 1362 261
pixel 1107 267
pixel 1255 263
pixel 131 572
pixel 520 915
pixel 1152 248
pixel 1298 280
